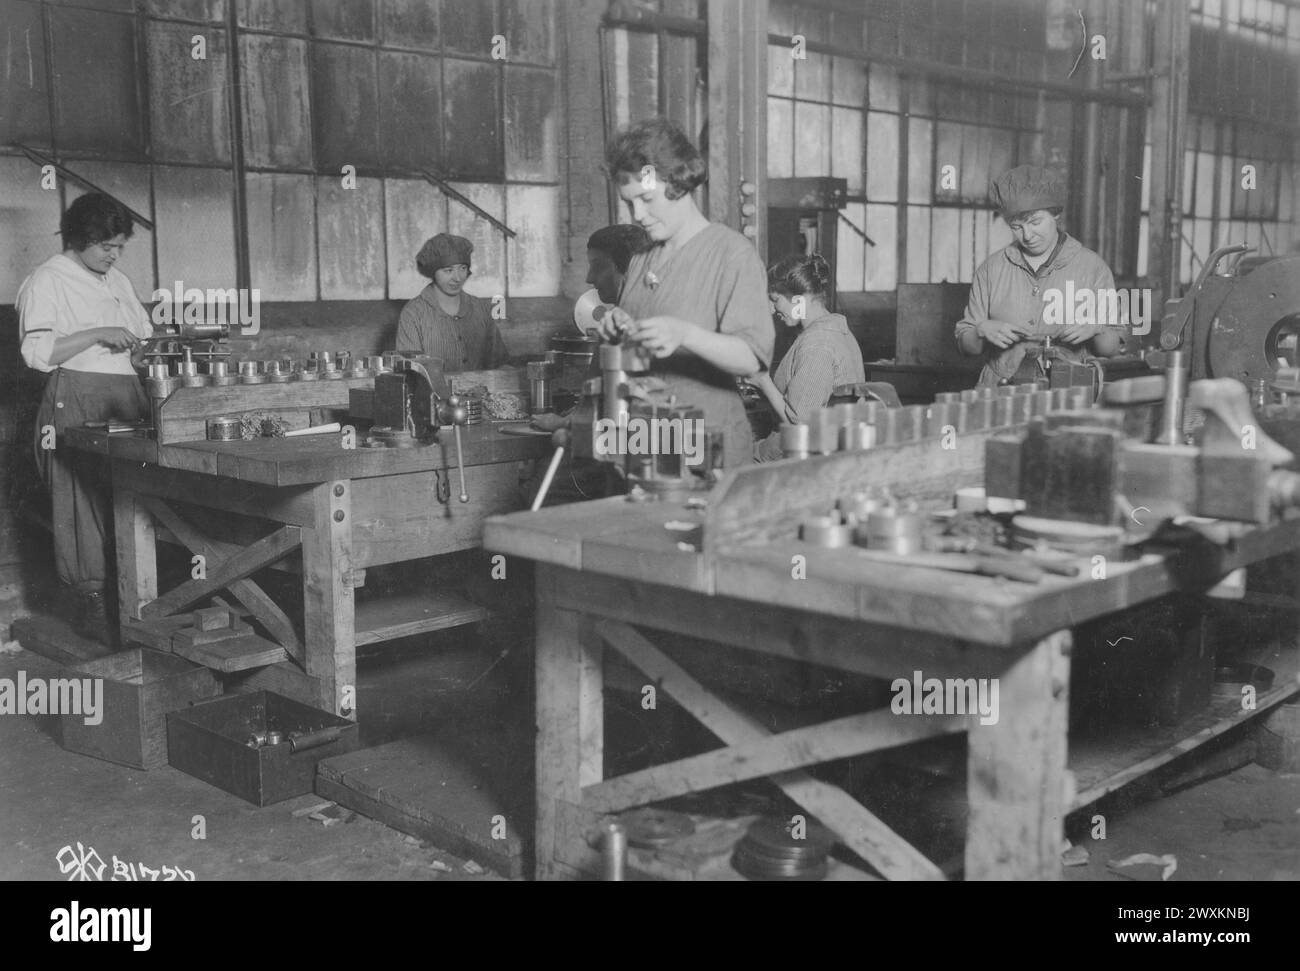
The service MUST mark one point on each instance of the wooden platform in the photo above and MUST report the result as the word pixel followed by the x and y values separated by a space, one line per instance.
pixel 414 613
pixel 466 795
pixel 54 638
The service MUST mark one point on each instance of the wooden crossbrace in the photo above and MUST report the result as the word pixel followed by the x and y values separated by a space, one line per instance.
pixel 248 593
pixel 861 830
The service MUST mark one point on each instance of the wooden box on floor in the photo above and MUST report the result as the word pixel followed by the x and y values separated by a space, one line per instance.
pixel 210 742
pixel 140 687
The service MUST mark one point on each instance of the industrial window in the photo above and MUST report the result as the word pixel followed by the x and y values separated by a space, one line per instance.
pixel 891 134
pixel 1240 171
pixel 465 89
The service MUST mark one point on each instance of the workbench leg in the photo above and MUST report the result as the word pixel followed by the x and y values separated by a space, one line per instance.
pixel 137 554
pixel 329 621
pixel 1016 770
pixel 570 711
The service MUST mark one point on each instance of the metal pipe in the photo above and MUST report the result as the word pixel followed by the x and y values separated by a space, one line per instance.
pixel 1171 415
pixel 613 852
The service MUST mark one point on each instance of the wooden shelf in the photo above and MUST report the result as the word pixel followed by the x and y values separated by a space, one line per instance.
pixel 1102 765
pixel 388 618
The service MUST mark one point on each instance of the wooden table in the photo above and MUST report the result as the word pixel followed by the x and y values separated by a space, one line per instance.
pixel 615 572
pixel 244 506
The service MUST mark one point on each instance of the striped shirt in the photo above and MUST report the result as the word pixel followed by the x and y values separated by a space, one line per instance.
pixel 467 341
pixel 824 356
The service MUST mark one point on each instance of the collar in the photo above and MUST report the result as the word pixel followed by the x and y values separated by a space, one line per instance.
pixel 1066 247
pixel 828 320
pixel 429 295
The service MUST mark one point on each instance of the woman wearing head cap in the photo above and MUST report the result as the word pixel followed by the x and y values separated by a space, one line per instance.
pixel 1005 316
pixel 444 321
pixel 697 298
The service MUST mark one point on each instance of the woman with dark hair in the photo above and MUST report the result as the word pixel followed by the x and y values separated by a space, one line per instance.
pixel 695 298
pixel 1005 315
pixel 81 322
pixel 823 356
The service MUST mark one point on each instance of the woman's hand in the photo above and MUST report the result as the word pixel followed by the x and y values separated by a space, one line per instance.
pixel 1001 333
pixel 615 324
pixel 550 422
pixel 1079 334
pixel 116 338
pixel 661 336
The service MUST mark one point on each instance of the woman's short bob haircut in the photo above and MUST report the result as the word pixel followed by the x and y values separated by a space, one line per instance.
pixel 93 218
pixel 1053 211
pixel 798 276
pixel 663 147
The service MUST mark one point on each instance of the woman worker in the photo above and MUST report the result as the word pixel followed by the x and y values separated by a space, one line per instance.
pixel 609 251
pixel 1012 289
pixel 824 355
pixel 696 299
pixel 80 321
pixel 444 321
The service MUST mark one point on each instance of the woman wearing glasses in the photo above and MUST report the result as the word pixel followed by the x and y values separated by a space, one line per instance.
pixel 81 322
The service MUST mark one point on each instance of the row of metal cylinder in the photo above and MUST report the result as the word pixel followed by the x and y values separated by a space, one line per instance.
pixel 162 378
pixel 869 424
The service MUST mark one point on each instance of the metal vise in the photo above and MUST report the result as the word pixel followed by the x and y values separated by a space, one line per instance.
pixel 661 446
pixel 408 406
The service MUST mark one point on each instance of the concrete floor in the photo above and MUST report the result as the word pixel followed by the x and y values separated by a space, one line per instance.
pixel 1241 826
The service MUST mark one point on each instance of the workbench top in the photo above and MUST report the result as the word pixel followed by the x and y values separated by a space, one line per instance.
pixel 634 541
pixel 311 458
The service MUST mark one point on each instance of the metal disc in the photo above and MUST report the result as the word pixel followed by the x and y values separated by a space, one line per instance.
pixel 648 827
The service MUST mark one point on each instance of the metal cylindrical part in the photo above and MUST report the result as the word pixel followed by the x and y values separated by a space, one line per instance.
pixel 540 375
pixel 1080 398
pixel 343 360
pixel 224 429
pixel 911 423
pixel 613 851
pixel 249 374
pixel 939 416
pixel 302 371
pixel 826 531
pixel 1171 416
pixel 887 422
pixel 948 397
pixel 857 436
pixel 979 414
pixel 794 441
pixel 891 530
pixel 275 372
pixel 1040 403
pixel 1022 408
pixel 390 359
pixel 823 432
pixel 1004 411
pixel 969 395
pixel 1060 399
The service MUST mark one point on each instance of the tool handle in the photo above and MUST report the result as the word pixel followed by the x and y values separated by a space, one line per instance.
pixel 1009 568
pixel 546 479
pixel 460 464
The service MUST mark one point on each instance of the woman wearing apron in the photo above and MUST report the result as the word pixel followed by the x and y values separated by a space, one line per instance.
pixel 81 322
pixel 697 298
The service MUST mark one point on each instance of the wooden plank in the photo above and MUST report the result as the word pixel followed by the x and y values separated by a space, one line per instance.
pixel 559 745
pixel 245 498
pixel 328 607
pixel 398 517
pixel 221 575
pixel 237 654
pixel 876 650
pixel 858 828
pixel 248 593
pixel 1015 779
pixel 796 749
pixel 284 679
pixel 1103 765
pixel 54 638
pixel 388 618
pixel 766 501
pixel 156 633
pixel 137 554
pixel 183 416
pixel 453 791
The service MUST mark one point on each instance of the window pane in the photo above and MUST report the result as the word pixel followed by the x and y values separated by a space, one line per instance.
pixel 533 213
pixel 350 229
pixel 188 117
pixel 282 235
pixel 882 157
pixel 780 138
pixel 277 112
pixel 195 226
pixel 846 147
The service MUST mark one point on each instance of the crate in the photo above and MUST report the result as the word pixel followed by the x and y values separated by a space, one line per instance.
pixel 140 687
pixel 211 742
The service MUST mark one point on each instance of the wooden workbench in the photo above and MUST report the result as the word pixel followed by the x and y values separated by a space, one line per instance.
pixel 616 572
pixel 245 506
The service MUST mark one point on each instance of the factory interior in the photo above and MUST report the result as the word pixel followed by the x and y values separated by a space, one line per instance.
pixel 650 440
